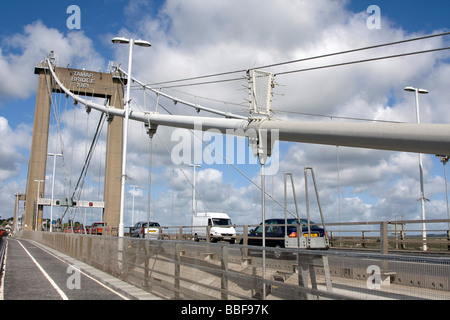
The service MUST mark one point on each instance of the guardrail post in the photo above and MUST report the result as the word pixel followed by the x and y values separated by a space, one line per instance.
pixel 303 268
pixel 224 270
pixel 448 239
pixel 245 242
pixel 177 272
pixel 363 240
pixel 245 236
pixel 402 239
pixel 147 265
pixel 384 244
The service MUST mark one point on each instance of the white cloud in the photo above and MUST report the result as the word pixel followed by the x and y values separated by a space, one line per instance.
pixel 13 142
pixel 13 146
pixel 198 37
pixel 191 38
pixel 21 52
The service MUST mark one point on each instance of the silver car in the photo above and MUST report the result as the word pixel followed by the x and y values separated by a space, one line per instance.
pixel 151 232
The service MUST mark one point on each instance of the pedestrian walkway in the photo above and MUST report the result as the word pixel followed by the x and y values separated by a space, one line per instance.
pixel 35 272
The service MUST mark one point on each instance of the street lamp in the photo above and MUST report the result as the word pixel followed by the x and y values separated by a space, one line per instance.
pixel 54 155
pixel 37 203
pixel 122 40
pixel 411 89
pixel 140 43
pixel 422 195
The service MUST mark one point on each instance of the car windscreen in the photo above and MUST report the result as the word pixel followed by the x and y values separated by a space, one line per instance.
pixel 221 222
pixel 152 224
pixel 277 226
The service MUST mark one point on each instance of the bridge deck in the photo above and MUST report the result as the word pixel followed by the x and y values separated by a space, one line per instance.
pixel 33 272
pixel 188 270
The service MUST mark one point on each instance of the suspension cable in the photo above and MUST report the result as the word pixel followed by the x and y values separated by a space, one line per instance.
pixel 362 61
pixel 306 59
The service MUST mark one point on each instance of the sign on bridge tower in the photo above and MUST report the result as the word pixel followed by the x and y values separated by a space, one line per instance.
pixel 93 84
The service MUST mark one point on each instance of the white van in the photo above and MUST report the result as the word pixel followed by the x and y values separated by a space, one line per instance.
pixel 221 228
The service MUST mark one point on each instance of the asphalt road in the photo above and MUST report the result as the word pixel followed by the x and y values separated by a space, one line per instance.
pixel 32 272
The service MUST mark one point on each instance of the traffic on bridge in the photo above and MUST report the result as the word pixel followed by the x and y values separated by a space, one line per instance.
pixel 286 152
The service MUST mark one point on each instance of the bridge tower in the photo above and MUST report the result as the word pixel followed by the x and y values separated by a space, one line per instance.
pixel 92 84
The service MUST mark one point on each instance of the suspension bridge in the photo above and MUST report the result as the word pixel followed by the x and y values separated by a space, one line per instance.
pixel 259 127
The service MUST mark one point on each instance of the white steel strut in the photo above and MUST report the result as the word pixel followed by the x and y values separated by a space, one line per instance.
pixel 407 137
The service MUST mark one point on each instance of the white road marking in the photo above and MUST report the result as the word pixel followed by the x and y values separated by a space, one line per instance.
pixel 60 292
pixel 84 273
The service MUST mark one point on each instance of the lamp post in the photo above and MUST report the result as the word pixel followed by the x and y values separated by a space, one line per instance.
pixel 131 42
pixel 37 203
pixel 422 195
pixel 54 155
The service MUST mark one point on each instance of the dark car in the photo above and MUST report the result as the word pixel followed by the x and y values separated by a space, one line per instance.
pixel 97 228
pixel 275 232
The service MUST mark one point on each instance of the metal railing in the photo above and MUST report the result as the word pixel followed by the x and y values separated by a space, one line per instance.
pixel 381 236
pixel 2 252
pixel 175 269
pixel 392 236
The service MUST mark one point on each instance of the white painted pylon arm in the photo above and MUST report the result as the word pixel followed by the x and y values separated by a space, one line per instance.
pixel 407 137
pixel 193 105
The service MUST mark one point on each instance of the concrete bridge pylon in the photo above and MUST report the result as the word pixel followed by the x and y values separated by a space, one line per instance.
pixel 109 86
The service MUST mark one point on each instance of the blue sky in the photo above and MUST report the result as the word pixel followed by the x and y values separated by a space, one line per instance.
pixel 193 38
pixel 98 17
pixel 413 16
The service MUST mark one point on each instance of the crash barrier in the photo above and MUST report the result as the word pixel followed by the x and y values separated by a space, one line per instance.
pixel 174 269
pixel 379 236
pixel 392 236
pixel 2 252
